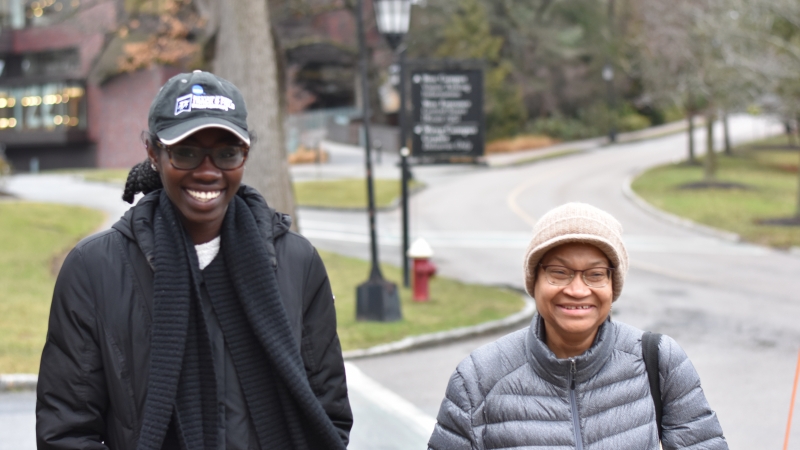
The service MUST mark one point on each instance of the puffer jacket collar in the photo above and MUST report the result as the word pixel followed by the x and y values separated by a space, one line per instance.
pixel 553 370
pixel 137 223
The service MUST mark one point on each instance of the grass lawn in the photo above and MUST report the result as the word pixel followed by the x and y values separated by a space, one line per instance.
pixel 347 193
pixel 106 175
pixel 452 304
pixel 31 236
pixel 117 176
pixel 771 175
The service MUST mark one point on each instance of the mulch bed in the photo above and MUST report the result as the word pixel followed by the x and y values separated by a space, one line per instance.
pixel 724 185
pixel 781 221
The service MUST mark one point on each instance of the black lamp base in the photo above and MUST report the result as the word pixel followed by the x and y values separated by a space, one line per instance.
pixel 378 300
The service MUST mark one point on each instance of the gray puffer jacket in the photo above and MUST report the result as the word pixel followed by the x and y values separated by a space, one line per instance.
pixel 515 393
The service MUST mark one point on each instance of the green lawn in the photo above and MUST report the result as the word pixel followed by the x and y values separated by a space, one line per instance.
pixel 32 235
pixel 117 176
pixel 452 304
pixel 348 193
pixel 770 174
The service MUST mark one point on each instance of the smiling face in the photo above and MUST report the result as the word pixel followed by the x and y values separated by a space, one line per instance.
pixel 573 313
pixel 201 195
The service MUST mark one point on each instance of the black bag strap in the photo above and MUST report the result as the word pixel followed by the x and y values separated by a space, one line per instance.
pixel 650 343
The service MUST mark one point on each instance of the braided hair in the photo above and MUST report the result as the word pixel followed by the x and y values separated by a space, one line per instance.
pixel 142 177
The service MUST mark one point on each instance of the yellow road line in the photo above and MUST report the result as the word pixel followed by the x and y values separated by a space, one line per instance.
pixel 511 200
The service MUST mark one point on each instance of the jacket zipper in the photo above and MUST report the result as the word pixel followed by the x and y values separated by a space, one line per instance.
pixel 573 403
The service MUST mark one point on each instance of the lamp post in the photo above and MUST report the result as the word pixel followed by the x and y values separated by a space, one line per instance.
pixel 393 18
pixel 376 298
pixel 608 76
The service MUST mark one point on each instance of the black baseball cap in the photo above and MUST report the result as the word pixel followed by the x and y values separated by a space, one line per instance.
pixel 190 102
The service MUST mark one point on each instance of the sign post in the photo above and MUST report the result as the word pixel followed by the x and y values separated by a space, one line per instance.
pixel 448 117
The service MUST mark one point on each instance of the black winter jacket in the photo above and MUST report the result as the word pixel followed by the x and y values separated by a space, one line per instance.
pixel 94 370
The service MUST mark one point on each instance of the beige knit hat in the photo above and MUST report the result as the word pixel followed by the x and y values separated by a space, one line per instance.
pixel 577 222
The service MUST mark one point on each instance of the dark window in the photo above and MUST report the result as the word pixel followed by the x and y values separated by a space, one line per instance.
pixel 47 65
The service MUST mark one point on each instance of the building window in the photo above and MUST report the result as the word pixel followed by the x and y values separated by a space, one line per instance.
pixel 43 107
pixel 57 64
pixel 17 14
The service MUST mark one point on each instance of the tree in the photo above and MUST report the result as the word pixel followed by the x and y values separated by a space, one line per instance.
pixel 553 53
pixel 689 59
pixel 246 55
pixel 165 38
pixel 177 32
pixel 782 36
pixel 468 36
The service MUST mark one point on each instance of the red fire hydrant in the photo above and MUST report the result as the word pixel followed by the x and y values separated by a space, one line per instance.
pixel 424 269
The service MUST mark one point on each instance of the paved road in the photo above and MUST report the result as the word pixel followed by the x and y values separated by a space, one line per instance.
pixel 17 421
pixel 733 307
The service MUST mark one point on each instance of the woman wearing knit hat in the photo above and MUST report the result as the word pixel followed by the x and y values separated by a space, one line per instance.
pixel 199 321
pixel 575 378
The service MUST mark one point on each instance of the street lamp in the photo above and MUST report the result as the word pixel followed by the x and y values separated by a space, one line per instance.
pixel 608 76
pixel 393 18
pixel 376 299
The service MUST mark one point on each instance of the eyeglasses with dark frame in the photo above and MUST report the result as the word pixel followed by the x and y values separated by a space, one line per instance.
pixel 189 157
pixel 595 277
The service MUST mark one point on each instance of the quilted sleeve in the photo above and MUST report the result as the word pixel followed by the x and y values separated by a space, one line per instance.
pixel 453 429
pixel 688 421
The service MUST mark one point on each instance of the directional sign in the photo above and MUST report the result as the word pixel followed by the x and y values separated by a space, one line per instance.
pixel 448 113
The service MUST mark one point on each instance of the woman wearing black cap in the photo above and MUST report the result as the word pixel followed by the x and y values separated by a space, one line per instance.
pixel 199 321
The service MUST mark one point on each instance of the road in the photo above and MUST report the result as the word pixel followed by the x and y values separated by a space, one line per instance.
pixel 731 306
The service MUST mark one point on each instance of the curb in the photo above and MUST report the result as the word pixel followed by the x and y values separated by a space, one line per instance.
pixel 690 224
pixel 5 195
pixel 502 160
pixel 671 218
pixel 11 382
pixel 442 337
pixel 526 157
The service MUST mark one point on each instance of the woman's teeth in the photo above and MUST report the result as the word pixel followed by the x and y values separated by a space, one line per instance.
pixel 204 196
pixel 576 307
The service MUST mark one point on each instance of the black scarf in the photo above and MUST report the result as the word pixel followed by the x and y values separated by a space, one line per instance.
pixel 244 292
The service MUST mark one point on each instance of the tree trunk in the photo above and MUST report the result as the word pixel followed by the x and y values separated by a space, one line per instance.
pixel 246 56
pixel 690 121
pixel 797 211
pixel 710 163
pixel 727 131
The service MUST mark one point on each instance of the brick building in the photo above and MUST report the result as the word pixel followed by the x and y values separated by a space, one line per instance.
pixel 63 103
pixel 55 111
